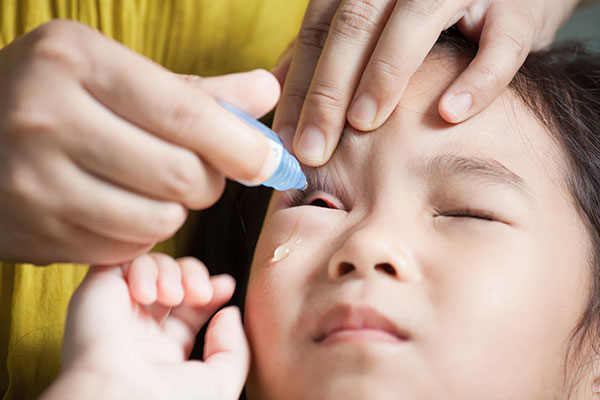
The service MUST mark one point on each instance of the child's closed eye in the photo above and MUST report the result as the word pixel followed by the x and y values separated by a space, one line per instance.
pixel 467 212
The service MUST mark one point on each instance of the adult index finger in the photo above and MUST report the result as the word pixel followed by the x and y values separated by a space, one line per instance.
pixel 159 102
pixel 353 35
pixel 307 50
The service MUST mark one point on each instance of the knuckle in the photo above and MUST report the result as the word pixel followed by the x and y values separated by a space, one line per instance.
pixel 21 184
pixel 179 179
pixel 324 96
pixel 355 19
pixel 293 98
pixel 516 41
pixel 181 118
pixel 313 36
pixel 489 76
pixel 59 43
pixel 427 8
pixel 25 119
pixel 387 69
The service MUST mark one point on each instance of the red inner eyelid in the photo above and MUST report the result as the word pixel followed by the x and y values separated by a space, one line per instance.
pixel 324 197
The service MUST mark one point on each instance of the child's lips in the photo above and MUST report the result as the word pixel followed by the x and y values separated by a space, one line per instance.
pixel 360 323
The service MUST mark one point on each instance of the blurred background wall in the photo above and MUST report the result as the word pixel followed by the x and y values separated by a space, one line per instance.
pixel 583 24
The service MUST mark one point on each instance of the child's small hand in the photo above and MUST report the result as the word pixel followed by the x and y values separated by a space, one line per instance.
pixel 130 330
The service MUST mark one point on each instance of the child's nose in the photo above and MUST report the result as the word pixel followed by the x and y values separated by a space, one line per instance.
pixel 369 251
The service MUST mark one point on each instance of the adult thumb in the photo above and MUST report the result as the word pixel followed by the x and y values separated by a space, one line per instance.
pixel 254 92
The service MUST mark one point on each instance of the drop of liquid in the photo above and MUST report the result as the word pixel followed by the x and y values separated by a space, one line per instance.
pixel 285 250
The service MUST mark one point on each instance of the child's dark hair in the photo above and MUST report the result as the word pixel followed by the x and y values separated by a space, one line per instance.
pixel 561 86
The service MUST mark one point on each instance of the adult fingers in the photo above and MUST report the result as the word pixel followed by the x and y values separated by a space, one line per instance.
pixel 255 92
pixel 112 212
pixel 352 37
pixel 506 39
pixel 159 102
pixel 282 68
pixel 226 351
pixel 307 50
pixel 71 243
pixel 409 35
pixel 107 144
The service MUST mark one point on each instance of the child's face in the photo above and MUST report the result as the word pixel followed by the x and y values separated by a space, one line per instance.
pixel 397 294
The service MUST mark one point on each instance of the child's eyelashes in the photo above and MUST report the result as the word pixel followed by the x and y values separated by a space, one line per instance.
pixel 467 212
pixel 313 197
pixel 306 198
pixel 320 192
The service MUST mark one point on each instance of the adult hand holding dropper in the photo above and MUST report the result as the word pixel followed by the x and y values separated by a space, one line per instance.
pixel 102 151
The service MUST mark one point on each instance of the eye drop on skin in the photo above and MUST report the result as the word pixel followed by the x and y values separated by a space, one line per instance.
pixel 284 250
pixel 288 174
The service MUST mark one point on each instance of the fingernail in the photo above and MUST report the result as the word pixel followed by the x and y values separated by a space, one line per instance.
pixel 311 145
pixel 459 104
pixel 596 387
pixel 364 110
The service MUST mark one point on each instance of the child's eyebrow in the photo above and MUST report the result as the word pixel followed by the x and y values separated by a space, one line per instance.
pixel 486 169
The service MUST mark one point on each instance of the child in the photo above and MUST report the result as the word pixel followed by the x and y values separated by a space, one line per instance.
pixel 424 261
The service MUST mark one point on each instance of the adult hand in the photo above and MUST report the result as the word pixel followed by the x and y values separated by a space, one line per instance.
pixel 130 330
pixel 102 151
pixel 363 53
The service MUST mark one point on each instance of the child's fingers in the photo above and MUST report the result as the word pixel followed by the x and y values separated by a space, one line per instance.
pixel 141 277
pixel 169 286
pixel 226 352
pixel 196 282
pixel 194 317
pixel 98 310
pixel 185 321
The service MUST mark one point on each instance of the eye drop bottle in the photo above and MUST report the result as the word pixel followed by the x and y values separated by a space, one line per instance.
pixel 288 174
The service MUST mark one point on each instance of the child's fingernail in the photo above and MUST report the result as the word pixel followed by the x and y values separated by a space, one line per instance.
pixel 459 104
pixel 311 145
pixel 364 110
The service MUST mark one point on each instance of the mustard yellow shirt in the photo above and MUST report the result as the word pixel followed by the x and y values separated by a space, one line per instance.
pixel 204 37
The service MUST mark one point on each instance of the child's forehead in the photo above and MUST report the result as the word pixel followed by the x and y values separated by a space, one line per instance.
pixel 506 133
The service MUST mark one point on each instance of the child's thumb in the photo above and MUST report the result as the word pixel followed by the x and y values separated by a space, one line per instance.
pixel 226 351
